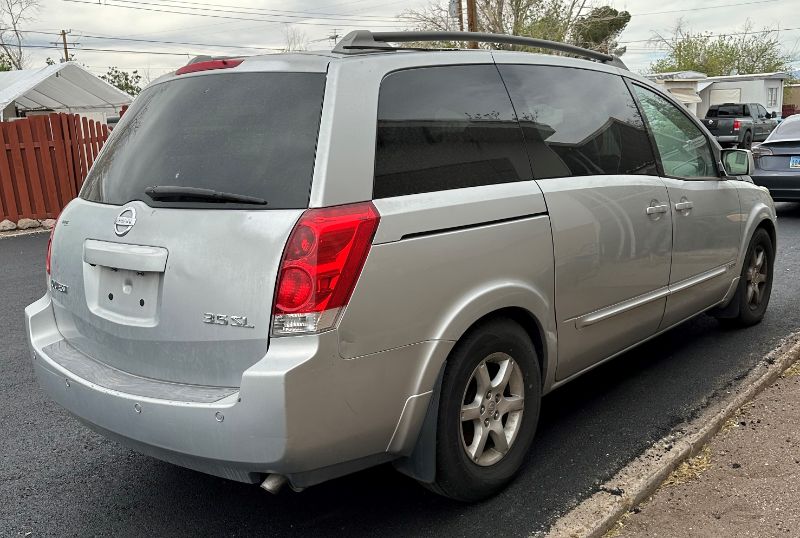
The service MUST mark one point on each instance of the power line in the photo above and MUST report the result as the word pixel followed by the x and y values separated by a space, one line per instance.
pixel 168 53
pixel 139 6
pixel 724 35
pixel 644 14
pixel 280 12
pixel 215 45
pixel 157 41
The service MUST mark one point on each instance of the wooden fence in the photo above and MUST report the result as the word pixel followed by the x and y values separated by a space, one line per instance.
pixel 43 162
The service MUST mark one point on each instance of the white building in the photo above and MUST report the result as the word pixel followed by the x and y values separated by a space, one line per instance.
pixel 63 87
pixel 698 92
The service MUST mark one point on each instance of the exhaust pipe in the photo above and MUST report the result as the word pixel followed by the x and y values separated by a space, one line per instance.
pixel 273 483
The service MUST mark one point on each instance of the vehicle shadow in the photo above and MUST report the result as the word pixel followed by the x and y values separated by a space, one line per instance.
pixel 787 210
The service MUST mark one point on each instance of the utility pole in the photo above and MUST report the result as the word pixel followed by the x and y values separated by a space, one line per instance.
pixel 64 40
pixel 472 22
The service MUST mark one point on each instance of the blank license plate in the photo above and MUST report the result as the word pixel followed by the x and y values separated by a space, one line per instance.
pixel 794 162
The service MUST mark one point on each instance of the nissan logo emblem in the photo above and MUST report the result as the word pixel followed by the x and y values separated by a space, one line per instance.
pixel 125 221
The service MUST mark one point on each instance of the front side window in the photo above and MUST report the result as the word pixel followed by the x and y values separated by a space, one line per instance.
pixel 578 122
pixel 683 148
pixel 442 128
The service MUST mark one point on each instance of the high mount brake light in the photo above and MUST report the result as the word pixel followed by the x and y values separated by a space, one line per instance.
pixel 209 65
pixel 321 263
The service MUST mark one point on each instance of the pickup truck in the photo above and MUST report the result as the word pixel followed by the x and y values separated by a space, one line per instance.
pixel 739 124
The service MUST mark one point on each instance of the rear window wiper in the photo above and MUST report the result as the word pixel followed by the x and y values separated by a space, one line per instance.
pixel 177 193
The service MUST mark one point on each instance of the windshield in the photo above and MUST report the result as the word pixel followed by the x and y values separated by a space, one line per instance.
pixel 249 134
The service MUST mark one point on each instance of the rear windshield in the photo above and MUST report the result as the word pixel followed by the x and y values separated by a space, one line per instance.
pixel 787 131
pixel 253 134
pixel 727 111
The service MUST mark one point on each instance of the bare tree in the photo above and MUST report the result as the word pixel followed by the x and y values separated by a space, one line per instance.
pixel 13 14
pixel 294 39
pixel 556 20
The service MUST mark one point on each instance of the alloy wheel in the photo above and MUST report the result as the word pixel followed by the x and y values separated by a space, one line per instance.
pixel 491 410
pixel 757 272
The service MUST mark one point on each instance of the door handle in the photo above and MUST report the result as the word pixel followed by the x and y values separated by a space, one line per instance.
pixel 683 206
pixel 653 209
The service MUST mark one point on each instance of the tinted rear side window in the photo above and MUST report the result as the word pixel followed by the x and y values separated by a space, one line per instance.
pixel 578 122
pixel 244 133
pixel 445 128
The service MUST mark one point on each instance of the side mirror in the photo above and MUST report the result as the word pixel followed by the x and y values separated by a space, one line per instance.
pixel 773 115
pixel 737 162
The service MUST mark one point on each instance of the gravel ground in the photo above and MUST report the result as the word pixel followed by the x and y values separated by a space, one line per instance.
pixel 744 483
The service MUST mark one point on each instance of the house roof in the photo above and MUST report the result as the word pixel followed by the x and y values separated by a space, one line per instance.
pixel 677 75
pixel 63 87
pixel 752 76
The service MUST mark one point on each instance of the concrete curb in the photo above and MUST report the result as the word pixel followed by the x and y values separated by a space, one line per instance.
pixel 639 479
pixel 30 231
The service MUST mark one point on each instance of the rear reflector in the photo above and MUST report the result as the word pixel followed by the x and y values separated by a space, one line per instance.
pixel 209 65
pixel 50 246
pixel 321 263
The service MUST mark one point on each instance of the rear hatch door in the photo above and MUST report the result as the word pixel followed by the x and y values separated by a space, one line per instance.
pixel 785 157
pixel 176 283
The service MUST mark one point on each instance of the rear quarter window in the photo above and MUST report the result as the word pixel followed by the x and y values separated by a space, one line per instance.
pixel 245 133
pixel 443 128
pixel 578 122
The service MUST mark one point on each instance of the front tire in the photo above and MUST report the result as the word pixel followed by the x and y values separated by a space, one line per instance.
pixel 488 411
pixel 755 284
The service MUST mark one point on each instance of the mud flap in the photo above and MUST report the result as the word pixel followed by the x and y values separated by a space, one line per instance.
pixel 421 463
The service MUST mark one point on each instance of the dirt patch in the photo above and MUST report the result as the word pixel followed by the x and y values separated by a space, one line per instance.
pixel 743 483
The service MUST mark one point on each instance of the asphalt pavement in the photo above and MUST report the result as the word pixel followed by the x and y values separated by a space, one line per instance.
pixel 59 479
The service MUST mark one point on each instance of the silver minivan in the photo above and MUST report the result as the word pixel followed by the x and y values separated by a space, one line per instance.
pixel 286 268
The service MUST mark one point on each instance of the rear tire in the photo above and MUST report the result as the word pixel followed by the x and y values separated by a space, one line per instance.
pixel 747 142
pixel 488 411
pixel 755 284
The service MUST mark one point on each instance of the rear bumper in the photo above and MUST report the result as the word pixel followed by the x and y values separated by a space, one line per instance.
pixel 783 186
pixel 728 139
pixel 300 411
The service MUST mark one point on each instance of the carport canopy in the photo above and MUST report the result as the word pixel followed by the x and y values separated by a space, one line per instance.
pixel 62 87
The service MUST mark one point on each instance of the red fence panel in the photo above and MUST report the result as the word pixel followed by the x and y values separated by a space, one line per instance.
pixel 44 161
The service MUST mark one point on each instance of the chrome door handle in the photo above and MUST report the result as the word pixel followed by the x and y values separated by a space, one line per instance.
pixel 653 209
pixel 683 206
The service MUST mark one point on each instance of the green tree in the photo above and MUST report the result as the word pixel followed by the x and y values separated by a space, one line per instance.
pixel 130 83
pixel 600 28
pixel 742 52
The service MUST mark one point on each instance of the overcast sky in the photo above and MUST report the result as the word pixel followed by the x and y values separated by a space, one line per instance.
pixel 140 27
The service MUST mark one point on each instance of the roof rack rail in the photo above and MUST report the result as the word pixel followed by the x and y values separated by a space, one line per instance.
pixel 365 40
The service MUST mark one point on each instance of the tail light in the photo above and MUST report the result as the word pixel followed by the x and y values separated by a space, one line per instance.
pixel 321 263
pixel 760 151
pixel 736 125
